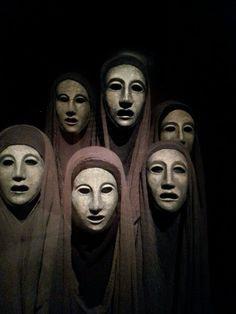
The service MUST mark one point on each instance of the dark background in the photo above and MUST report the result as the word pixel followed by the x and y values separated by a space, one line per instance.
pixel 192 47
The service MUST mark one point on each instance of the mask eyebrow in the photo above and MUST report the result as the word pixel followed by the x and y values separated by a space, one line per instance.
pixel 155 163
pixel 139 82
pixel 2 156
pixel 181 164
pixel 114 79
pixel 109 183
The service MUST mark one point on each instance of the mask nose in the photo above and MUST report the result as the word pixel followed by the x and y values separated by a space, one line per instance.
pixel 167 183
pixel 126 99
pixel 181 136
pixel 19 172
pixel 71 109
pixel 96 204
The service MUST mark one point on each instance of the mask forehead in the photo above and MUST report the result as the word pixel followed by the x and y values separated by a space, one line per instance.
pixel 19 151
pixel 125 72
pixel 169 156
pixel 179 116
pixel 94 177
pixel 71 88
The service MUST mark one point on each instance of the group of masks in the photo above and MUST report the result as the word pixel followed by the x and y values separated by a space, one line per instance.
pixel 95 188
pixel 94 193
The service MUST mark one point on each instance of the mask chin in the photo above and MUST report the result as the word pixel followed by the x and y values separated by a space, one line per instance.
pixel 22 211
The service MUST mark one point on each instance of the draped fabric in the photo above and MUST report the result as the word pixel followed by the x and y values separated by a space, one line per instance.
pixel 172 249
pixel 66 144
pixel 159 113
pixel 130 145
pixel 30 263
pixel 120 289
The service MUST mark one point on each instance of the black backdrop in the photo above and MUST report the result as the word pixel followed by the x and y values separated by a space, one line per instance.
pixel 193 49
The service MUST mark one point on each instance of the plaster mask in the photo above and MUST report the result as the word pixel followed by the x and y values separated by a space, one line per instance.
pixel 167 177
pixel 21 173
pixel 125 94
pixel 94 199
pixel 72 106
pixel 178 125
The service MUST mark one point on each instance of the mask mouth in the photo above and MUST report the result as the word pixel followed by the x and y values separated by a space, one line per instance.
pixel 19 188
pixel 71 120
pixel 96 219
pixel 125 114
pixel 168 196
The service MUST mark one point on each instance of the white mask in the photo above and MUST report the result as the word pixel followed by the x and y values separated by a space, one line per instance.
pixel 72 106
pixel 178 125
pixel 167 177
pixel 21 172
pixel 94 199
pixel 125 94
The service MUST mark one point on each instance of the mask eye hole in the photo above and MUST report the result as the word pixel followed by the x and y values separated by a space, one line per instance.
pixel 63 97
pixel 106 189
pixel 179 169
pixel 137 88
pixel 7 162
pixel 80 99
pixel 188 129
pixel 84 190
pixel 31 162
pixel 115 86
pixel 156 169
pixel 169 128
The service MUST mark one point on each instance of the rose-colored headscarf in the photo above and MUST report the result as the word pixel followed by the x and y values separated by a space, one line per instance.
pixel 120 293
pixel 65 145
pixel 135 141
pixel 30 263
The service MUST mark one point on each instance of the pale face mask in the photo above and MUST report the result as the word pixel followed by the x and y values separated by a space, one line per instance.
pixel 167 177
pixel 94 199
pixel 72 106
pixel 125 94
pixel 21 173
pixel 178 125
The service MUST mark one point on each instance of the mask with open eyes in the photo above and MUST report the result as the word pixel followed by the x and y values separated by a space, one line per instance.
pixel 178 125
pixel 94 199
pixel 21 173
pixel 167 178
pixel 125 93
pixel 72 106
